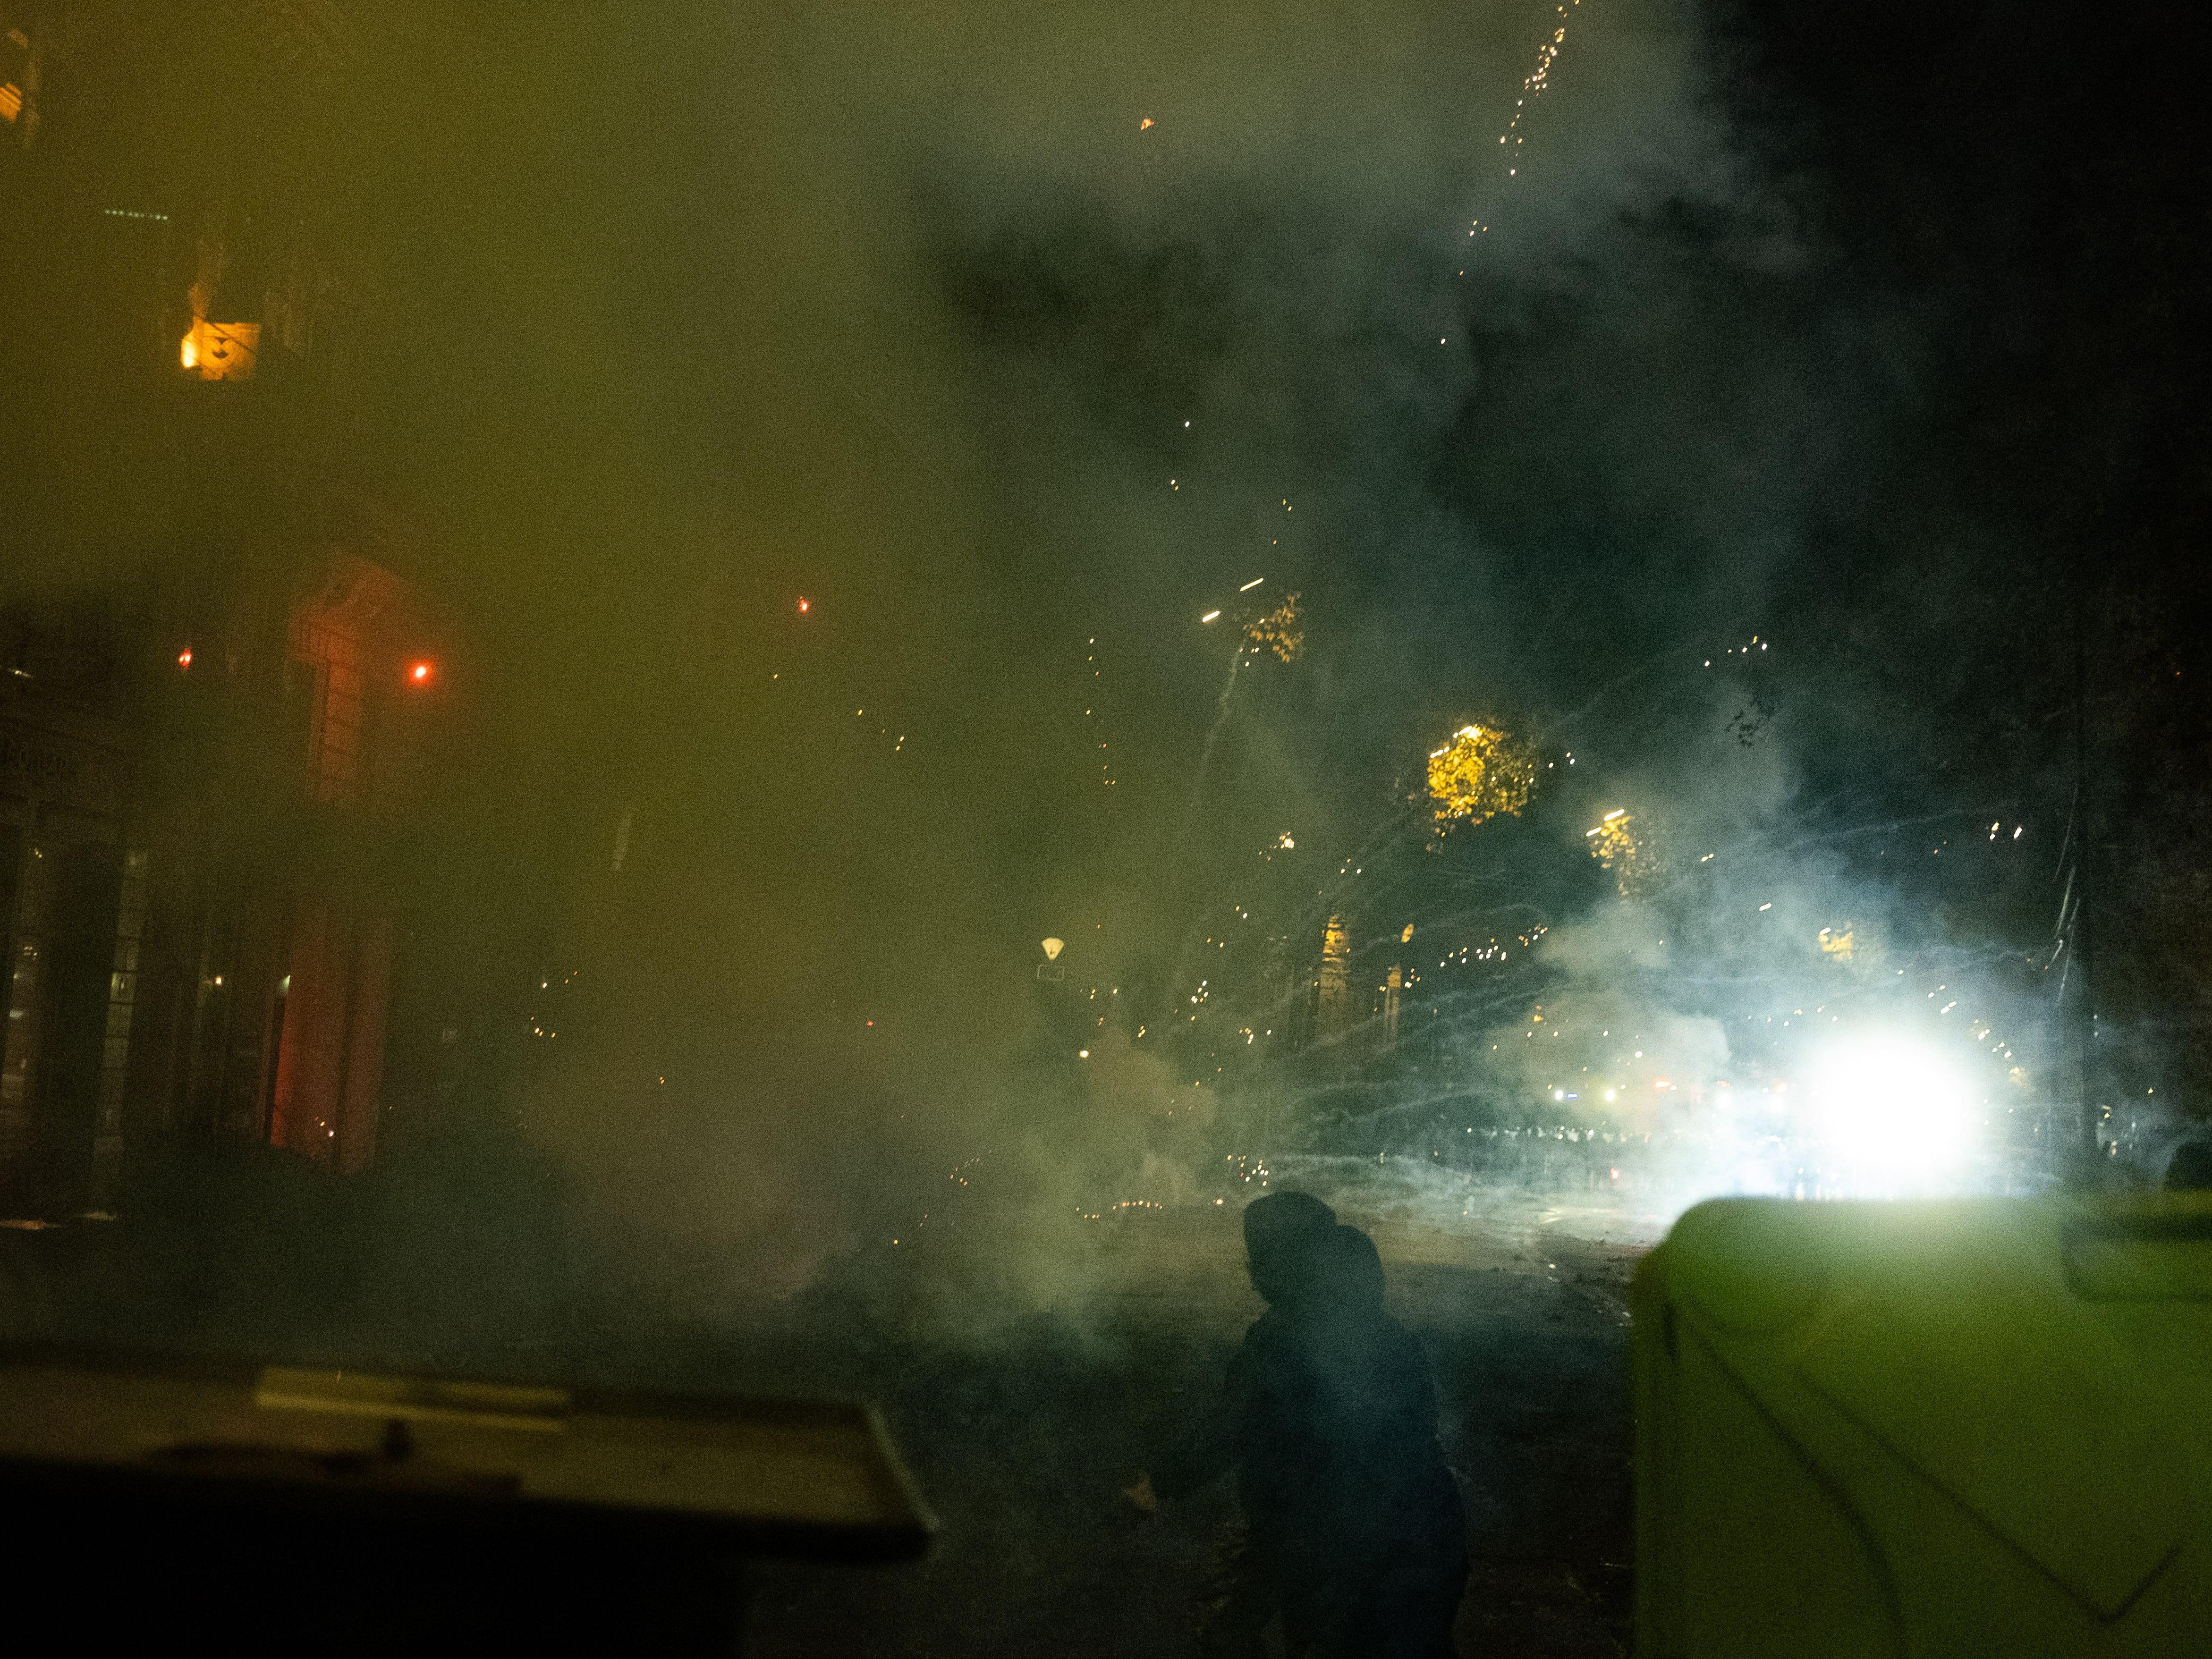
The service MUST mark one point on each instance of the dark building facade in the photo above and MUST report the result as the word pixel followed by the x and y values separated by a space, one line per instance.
pixel 200 839
pixel 218 670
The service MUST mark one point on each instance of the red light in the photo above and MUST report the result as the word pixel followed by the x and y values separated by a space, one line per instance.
pixel 185 658
pixel 419 674
pixel 804 607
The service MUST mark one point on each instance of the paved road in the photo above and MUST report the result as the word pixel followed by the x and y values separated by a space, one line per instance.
pixel 1029 1362
pixel 1023 1435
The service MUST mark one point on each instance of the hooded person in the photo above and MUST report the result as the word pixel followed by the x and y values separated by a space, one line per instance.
pixel 1281 1231
pixel 1329 1420
pixel 1278 1230
pixel 1369 1539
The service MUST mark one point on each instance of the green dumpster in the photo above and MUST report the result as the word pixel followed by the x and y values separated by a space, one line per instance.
pixel 1956 1427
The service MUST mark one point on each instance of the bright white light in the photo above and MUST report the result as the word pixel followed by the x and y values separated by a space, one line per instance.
pixel 1894 1113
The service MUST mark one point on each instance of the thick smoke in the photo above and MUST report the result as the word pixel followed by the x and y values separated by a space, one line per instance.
pixel 1013 341
pixel 1536 446
pixel 949 411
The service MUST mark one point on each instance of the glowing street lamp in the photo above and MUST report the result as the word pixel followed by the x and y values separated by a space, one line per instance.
pixel 1896 1114
pixel 419 674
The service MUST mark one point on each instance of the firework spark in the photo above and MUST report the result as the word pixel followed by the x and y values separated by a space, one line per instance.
pixel 1279 630
pixel 1481 774
pixel 1632 859
pixel 1533 86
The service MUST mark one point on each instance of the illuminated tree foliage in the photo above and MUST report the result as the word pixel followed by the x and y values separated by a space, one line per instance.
pixel 1279 630
pixel 1480 774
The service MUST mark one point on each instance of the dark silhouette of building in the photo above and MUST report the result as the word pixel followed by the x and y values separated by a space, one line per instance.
pixel 216 679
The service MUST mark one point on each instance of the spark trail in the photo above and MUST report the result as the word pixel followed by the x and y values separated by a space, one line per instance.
pixel 1190 818
pixel 1205 753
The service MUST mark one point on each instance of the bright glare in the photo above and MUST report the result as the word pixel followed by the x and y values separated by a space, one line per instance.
pixel 1893 1115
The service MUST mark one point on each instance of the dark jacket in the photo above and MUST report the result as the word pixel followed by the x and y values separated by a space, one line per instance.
pixel 1329 1419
